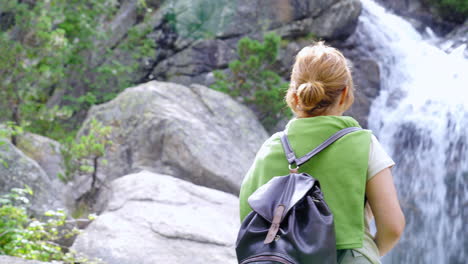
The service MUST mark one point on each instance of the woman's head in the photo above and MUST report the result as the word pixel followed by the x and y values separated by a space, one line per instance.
pixel 321 82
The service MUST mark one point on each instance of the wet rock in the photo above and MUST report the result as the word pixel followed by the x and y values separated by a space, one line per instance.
pixel 366 77
pixel 455 39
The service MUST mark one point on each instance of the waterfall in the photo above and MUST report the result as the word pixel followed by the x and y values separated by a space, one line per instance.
pixel 421 118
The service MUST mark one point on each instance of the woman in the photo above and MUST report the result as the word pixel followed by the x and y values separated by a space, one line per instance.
pixel 351 171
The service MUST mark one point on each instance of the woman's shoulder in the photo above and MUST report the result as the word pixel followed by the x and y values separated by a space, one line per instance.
pixel 379 159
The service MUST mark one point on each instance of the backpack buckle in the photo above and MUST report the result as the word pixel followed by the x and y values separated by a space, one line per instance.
pixel 293 170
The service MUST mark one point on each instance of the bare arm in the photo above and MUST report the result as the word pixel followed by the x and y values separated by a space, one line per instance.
pixel 389 219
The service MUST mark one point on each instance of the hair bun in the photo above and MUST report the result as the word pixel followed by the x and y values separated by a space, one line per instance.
pixel 310 94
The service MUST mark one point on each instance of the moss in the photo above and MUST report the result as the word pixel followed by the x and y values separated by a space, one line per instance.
pixel 27 146
pixel 81 210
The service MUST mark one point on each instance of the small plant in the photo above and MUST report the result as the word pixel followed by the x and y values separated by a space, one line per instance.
pixel 31 238
pixel 252 81
pixel 82 156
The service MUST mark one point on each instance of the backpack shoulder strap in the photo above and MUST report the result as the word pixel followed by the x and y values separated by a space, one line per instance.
pixel 291 157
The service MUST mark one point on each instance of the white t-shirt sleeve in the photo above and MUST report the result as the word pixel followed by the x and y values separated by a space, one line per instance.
pixel 378 158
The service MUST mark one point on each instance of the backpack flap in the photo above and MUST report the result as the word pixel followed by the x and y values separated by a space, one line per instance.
pixel 274 199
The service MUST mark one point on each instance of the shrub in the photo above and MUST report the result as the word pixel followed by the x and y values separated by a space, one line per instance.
pixel 252 80
pixel 31 238
pixel 49 48
pixel 82 156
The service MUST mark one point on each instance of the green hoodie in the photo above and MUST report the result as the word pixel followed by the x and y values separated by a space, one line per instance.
pixel 341 170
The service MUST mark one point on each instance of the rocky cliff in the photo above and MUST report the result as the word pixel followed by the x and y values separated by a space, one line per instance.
pixel 194 38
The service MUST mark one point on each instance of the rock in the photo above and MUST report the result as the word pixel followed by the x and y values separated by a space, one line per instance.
pixel 153 218
pixel 420 14
pixel 195 37
pixel 15 260
pixel 455 39
pixel 202 57
pixel 339 21
pixel 289 19
pixel 45 151
pixel 246 17
pixel 335 22
pixel 366 77
pixel 23 170
pixel 195 133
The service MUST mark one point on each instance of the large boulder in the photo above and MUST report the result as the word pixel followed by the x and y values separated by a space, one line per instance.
pixel 335 21
pixel 195 133
pixel 246 16
pixel 153 218
pixel 15 260
pixel 21 170
pixel 45 151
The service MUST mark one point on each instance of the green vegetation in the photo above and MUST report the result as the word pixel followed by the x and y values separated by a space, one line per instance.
pixel 82 156
pixel 48 49
pixel 452 10
pixel 30 238
pixel 252 80
pixel 8 131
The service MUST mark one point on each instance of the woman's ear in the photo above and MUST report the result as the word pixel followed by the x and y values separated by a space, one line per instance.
pixel 344 95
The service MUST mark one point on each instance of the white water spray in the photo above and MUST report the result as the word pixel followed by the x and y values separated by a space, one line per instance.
pixel 421 117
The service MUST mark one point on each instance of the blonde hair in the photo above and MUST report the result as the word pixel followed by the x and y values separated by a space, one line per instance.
pixel 319 75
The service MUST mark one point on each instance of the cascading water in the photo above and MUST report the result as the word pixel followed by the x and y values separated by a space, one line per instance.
pixel 421 117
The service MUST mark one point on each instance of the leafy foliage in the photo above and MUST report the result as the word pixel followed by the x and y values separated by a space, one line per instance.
pixel 82 156
pixel 35 55
pixel 8 131
pixel 51 48
pixel 30 238
pixel 252 80
pixel 452 10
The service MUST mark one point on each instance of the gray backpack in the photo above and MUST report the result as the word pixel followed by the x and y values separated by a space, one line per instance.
pixel 290 222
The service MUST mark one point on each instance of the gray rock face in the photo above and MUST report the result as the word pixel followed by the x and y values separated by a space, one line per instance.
pixel 253 16
pixel 327 19
pixel 15 260
pixel 456 38
pixel 201 58
pixel 366 77
pixel 45 151
pixel 334 21
pixel 195 133
pixel 23 170
pixel 420 14
pixel 339 21
pixel 153 218
pixel 204 34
